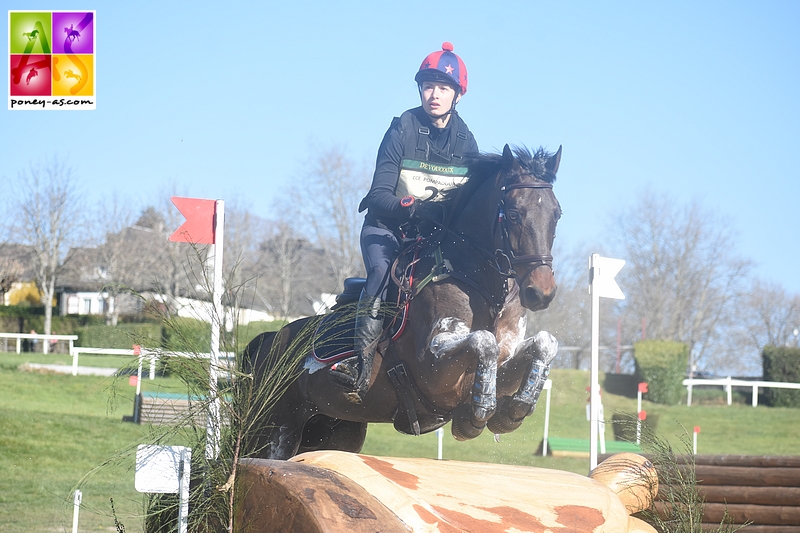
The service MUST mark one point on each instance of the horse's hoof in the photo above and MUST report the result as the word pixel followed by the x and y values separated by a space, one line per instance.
pixel 462 428
pixel 501 422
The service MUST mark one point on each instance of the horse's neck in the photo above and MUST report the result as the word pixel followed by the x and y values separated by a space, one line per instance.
pixel 476 221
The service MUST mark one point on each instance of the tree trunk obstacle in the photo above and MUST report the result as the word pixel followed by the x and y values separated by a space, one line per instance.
pixel 328 491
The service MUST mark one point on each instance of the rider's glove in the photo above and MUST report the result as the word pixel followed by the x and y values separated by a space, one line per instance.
pixel 430 211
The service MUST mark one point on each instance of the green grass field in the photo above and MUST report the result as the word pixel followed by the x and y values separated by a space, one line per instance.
pixel 56 429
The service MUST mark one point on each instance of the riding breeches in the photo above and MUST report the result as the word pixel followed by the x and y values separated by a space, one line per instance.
pixel 379 247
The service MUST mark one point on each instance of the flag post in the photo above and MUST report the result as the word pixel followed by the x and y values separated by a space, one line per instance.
pixel 213 424
pixel 601 284
pixel 205 224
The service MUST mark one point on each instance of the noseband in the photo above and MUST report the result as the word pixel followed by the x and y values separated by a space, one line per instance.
pixel 507 255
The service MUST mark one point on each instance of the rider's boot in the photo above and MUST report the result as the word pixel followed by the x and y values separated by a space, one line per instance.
pixel 354 372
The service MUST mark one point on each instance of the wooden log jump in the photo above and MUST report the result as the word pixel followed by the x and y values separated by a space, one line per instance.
pixel 327 492
pixel 763 490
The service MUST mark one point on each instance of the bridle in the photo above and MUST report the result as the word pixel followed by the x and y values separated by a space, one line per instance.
pixel 507 254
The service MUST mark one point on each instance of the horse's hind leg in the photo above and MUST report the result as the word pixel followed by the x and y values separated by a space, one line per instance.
pixel 512 411
pixel 324 433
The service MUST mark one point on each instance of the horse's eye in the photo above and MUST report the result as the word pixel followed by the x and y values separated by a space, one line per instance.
pixel 513 216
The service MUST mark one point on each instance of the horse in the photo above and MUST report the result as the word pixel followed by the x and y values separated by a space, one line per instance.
pixel 462 355
pixel 72 34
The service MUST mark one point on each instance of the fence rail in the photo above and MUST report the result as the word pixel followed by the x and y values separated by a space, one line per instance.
pixel 18 337
pixel 728 383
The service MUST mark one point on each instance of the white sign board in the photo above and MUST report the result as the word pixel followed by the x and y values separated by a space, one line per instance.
pixel 159 468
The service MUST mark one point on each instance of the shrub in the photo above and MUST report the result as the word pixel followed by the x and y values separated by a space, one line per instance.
pixel 662 365
pixel 781 363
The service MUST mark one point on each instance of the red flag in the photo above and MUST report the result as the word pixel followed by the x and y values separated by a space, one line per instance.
pixel 133 380
pixel 697 429
pixel 643 387
pixel 199 225
pixel 137 350
pixel 642 415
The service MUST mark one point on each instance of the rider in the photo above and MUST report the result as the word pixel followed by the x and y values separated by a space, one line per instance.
pixel 420 157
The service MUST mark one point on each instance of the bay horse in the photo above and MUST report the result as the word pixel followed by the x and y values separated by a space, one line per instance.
pixel 462 355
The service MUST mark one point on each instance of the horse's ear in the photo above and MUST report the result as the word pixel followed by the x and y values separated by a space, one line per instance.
pixel 508 159
pixel 553 161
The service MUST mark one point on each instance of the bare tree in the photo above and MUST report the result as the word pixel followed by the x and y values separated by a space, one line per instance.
pixel 287 268
pixel 769 316
pixel 683 275
pixel 127 251
pixel 50 218
pixel 328 203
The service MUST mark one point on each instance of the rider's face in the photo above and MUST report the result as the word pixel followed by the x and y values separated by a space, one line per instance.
pixel 437 98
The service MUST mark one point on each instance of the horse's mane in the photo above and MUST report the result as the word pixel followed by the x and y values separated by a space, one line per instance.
pixel 486 165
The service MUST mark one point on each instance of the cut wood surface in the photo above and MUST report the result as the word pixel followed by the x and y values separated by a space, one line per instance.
pixel 423 495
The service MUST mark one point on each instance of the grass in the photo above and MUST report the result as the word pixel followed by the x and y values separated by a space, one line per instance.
pixel 57 428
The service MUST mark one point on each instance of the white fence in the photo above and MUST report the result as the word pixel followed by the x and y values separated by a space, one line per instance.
pixel 226 358
pixel 729 383
pixel 46 340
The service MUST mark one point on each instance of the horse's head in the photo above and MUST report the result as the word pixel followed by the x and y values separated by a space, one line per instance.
pixel 527 216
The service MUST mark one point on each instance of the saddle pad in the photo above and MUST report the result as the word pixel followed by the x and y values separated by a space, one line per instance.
pixel 333 338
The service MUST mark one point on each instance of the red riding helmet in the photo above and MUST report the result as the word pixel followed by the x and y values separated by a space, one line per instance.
pixel 444 66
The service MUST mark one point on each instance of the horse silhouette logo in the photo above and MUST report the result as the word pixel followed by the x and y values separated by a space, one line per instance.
pixel 72 34
pixel 32 73
pixel 69 74
pixel 31 35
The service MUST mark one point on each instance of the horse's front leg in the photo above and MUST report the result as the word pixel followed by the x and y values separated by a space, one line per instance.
pixel 540 350
pixel 449 347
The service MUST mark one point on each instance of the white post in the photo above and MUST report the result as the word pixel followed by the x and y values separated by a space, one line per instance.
pixel 755 395
pixel 689 393
pixel 74 354
pixel 547 386
pixel 594 391
pixel 730 391
pixel 440 436
pixel 183 489
pixel 213 423
pixel 601 283
pixel 76 509
pixel 638 416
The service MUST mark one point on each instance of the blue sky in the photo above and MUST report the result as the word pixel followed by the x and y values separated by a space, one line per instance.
pixel 228 100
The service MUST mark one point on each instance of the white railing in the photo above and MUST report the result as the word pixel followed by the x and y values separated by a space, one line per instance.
pixel 728 383
pixel 226 358
pixel 37 336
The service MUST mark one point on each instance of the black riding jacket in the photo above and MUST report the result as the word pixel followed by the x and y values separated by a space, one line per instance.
pixel 411 137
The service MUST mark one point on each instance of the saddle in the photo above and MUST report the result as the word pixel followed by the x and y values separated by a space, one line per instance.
pixel 333 338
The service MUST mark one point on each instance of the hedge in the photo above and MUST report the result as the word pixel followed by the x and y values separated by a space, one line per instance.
pixel 781 363
pixel 662 365
pixel 120 336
